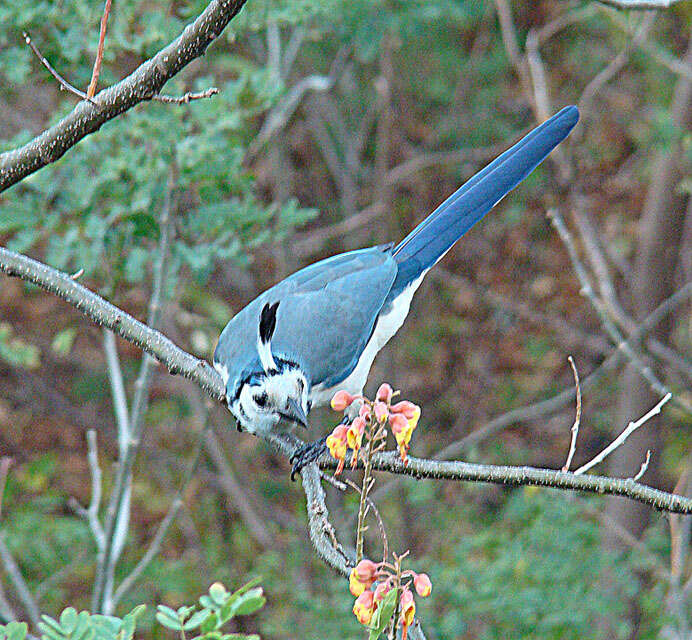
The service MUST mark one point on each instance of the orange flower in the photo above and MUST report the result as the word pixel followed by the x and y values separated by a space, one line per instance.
pixel 402 430
pixel 354 437
pixel 336 443
pixel 364 607
pixel 423 585
pixel 341 400
pixel 406 408
pixel 384 393
pixel 408 610
pixel 364 412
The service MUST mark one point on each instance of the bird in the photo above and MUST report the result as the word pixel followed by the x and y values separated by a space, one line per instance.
pixel 318 330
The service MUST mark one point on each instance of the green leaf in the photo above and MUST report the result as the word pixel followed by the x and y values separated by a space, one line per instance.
pixel 218 593
pixel 383 614
pixel 210 624
pixel 168 617
pixel 197 619
pixel 249 602
pixel 15 630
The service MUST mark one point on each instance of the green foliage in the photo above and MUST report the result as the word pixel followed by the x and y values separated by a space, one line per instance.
pixel 383 615
pixel 13 631
pixel 85 626
pixel 216 609
pixel 539 571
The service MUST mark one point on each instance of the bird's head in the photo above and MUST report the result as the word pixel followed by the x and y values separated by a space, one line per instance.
pixel 279 391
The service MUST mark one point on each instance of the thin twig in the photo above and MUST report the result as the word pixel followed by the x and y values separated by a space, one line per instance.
pixel 644 467
pixel 577 417
pixel 99 51
pixel 620 440
pixel 64 84
pixel 20 585
pixel 91 515
pixel 187 97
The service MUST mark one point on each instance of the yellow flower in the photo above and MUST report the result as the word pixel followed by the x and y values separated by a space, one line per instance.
pixel 355 586
pixel 336 443
pixel 402 430
pixel 408 610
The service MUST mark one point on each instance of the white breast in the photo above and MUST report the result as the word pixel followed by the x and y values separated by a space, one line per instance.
pixel 387 325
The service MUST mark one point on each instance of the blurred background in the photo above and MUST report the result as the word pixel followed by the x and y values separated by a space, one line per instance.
pixel 339 124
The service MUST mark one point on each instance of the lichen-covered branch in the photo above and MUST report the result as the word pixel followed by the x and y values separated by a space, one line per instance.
pixel 142 84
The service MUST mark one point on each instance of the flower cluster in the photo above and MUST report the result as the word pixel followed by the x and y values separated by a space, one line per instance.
pixel 372 419
pixel 387 579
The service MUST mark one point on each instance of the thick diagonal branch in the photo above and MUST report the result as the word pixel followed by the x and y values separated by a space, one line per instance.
pixel 142 84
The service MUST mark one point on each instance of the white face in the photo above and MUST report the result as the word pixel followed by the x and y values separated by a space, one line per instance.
pixel 261 405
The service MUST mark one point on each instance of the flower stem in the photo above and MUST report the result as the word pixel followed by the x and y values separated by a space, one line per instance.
pixel 365 487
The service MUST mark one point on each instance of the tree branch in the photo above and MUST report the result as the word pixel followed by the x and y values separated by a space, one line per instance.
pixel 143 84
pixel 200 372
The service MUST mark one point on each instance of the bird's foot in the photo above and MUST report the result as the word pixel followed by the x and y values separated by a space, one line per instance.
pixel 305 455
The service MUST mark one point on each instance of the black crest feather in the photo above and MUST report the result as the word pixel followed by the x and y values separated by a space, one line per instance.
pixel 267 323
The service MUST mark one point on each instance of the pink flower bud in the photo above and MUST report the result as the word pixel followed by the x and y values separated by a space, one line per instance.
pixel 422 584
pixel 384 393
pixel 341 400
pixel 405 407
pixel 381 411
pixel 364 411
pixel 364 607
pixel 408 609
pixel 365 571
pixel 381 590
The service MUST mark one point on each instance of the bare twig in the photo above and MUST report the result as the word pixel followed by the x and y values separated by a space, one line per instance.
pixel 99 51
pixel 577 417
pixel 64 84
pixel 644 467
pixel 20 585
pixel 143 83
pixel 91 515
pixel 620 440
pixel 187 97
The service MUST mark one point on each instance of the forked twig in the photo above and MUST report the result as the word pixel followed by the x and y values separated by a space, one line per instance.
pixel 64 84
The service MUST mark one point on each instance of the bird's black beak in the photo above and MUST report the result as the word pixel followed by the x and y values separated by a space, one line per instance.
pixel 294 413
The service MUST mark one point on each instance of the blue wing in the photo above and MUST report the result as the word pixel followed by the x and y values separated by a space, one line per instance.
pixel 433 237
pixel 326 315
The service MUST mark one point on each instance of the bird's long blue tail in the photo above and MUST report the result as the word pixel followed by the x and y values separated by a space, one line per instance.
pixel 433 237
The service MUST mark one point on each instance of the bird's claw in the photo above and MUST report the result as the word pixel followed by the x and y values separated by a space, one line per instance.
pixel 305 455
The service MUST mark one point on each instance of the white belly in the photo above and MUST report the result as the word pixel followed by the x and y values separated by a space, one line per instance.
pixel 387 325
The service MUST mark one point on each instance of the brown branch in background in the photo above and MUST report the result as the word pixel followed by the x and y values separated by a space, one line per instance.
pixel 64 84
pixel 99 52
pixel 5 463
pixel 188 97
pixel 577 417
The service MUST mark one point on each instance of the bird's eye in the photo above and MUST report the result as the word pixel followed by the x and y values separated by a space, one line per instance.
pixel 261 400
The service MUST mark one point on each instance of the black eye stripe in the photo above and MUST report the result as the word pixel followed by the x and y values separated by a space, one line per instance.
pixel 261 399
